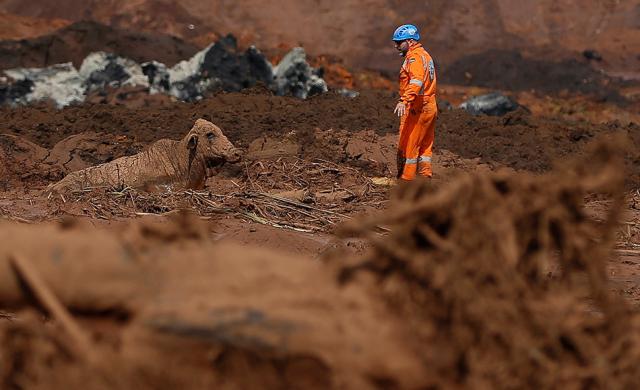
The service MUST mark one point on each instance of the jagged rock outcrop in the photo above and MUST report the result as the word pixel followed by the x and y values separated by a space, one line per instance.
pixel 294 76
pixel 219 67
pixel 100 70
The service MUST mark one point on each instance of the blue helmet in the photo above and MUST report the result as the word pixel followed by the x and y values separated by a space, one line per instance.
pixel 406 31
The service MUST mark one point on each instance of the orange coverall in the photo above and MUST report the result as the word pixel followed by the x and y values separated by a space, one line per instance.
pixel 417 126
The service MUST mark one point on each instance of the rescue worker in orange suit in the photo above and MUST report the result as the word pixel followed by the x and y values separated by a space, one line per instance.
pixel 417 107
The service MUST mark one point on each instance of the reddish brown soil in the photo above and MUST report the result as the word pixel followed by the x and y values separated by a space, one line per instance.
pixel 480 269
pixel 22 27
pixel 243 116
pixel 436 262
pixel 361 34
pixel 523 141
pixel 496 265
pixel 498 69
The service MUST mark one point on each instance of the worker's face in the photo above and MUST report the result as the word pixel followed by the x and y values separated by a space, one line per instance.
pixel 402 47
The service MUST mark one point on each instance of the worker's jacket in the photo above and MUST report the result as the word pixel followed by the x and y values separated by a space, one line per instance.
pixel 417 75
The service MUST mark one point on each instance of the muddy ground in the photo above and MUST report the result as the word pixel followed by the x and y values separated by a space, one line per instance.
pixel 498 254
pixel 519 140
pixel 301 268
pixel 304 148
pixel 305 265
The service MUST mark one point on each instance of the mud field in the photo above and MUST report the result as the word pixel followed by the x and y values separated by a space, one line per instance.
pixel 501 254
pixel 305 264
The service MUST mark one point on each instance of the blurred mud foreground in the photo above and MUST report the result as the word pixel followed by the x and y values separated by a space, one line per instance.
pixel 495 280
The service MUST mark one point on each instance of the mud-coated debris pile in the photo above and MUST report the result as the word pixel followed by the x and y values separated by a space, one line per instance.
pixel 494 104
pixel 502 278
pixel 292 326
pixel 219 67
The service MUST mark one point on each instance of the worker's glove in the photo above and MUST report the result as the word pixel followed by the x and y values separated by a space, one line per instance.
pixel 400 109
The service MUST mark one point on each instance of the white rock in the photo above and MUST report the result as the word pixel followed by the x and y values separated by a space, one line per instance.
pixel 183 70
pixel 60 83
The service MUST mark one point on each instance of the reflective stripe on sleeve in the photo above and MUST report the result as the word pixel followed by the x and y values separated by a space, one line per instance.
pixel 411 161
pixel 416 82
pixel 424 66
pixel 424 159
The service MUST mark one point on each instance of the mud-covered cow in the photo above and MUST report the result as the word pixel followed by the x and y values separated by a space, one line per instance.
pixel 186 163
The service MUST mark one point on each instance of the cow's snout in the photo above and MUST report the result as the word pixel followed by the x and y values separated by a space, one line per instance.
pixel 234 156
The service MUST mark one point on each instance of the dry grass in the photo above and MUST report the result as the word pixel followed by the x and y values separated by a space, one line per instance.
pixel 286 193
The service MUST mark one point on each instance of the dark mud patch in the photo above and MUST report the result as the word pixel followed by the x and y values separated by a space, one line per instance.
pixel 74 42
pixel 510 70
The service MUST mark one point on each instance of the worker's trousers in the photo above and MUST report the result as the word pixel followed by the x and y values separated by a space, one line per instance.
pixel 417 130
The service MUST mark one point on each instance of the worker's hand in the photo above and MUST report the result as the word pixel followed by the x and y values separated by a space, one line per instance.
pixel 400 109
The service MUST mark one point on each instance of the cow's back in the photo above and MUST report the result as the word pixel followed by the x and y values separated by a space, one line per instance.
pixel 157 164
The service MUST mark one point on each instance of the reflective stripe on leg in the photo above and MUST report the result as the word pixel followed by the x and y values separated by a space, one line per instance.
pixel 409 171
pixel 424 166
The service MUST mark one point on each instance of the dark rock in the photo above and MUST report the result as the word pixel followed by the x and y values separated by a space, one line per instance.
pixel 444 105
pixel 294 76
pixel 259 66
pixel 157 75
pixel 592 55
pixel 219 67
pixel 235 71
pixel 14 91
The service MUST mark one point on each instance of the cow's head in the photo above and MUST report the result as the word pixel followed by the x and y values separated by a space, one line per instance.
pixel 206 142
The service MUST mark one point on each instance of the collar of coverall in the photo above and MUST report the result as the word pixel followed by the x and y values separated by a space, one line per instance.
pixel 414 45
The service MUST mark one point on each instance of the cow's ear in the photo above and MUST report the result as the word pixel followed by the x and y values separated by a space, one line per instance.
pixel 193 141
